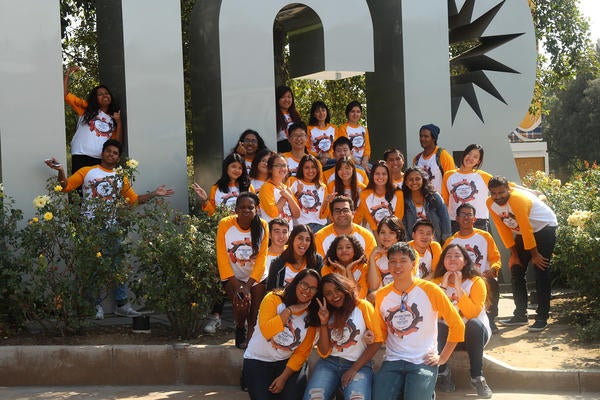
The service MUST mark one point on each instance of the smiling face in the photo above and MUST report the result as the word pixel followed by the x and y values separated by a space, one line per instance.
pixel 279 235
pixel 306 289
pixel 500 195
pixel 262 168
pixel 298 139
pixel 386 236
pixel 301 244
pixel 285 101
pixel 234 171
pixel 342 215
pixel 344 252
pixel 380 176
pixel 472 159
pixel 400 266
pixel 345 173
pixel 103 98
pixel 110 156
pixel 454 260
pixel 245 210
pixel 279 170
pixel 414 181
pixel 395 163
pixel 333 294
pixel 354 115
pixel 341 151
pixel 321 115
pixel 250 143
pixel 423 236
pixel 309 171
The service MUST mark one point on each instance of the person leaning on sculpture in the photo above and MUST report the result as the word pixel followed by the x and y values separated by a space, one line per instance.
pixel 99 120
pixel 102 175
pixel 527 227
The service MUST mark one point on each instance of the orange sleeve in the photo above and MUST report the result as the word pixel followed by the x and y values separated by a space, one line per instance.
pixel 470 306
pixel 326 269
pixel 77 104
pixel 210 206
pixel 300 355
pixel 225 270
pixel 378 318
pixel 76 180
pixel 360 212
pixel 362 172
pixel 127 192
pixel 266 196
pixel 362 283
pixel 441 302
pixel 493 254
pixel 445 193
pixel 368 312
pixel 399 210
pixel 324 213
pixel 447 161
pixel 436 252
pixel 260 264
pixel 340 131
pixel 521 206
pixel 269 321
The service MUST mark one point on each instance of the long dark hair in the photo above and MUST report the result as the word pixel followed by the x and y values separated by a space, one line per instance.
pixel 339 184
pixel 312 120
pixel 257 157
pixel 395 225
pixel 256 226
pixel 281 124
pixel 470 148
pixel 309 158
pixel 347 287
pixel 243 182
pixel 390 189
pixel 468 270
pixel 311 252
pixel 331 252
pixel 289 298
pixel 92 109
pixel 427 190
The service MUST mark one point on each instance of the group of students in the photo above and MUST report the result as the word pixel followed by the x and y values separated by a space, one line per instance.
pixel 315 251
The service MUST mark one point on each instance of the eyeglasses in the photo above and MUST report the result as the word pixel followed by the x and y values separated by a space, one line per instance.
pixel 344 210
pixel 306 287
pixel 279 165
pixel 250 141
pixel 466 215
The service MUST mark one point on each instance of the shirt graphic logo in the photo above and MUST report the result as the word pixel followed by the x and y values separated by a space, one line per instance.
pixel 402 320
pixel 345 337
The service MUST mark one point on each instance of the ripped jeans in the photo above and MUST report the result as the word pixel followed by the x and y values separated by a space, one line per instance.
pixel 327 375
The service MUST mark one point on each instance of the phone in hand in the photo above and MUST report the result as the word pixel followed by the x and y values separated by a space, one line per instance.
pixel 53 162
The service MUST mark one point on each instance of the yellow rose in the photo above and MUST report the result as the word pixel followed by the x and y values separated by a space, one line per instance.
pixel 58 188
pixel 98 254
pixel 133 164
pixel 41 201
pixel 194 305
pixel 48 216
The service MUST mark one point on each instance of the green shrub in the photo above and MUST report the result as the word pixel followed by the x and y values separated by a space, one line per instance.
pixel 176 266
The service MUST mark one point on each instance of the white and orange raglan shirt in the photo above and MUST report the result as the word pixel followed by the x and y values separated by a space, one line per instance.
pixel 428 261
pixel 269 195
pixel 273 341
pixel 385 277
pixel 310 199
pixel 430 166
pixel 234 251
pixel 409 320
pixel 325 237
pixel 292 163
pixel 373 208
pixel 218 198
pixel 359 136
pixel 321 140
pixel 471 305
pixel 481 248
pixel 523 214
pixel 348 343
pixel 459 188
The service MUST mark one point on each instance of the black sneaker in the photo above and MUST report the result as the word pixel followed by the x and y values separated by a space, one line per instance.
pixel 494 328
pixel 537 326
pixel 513 321
pixel 444 381
pixel 240 338
pixel 483 390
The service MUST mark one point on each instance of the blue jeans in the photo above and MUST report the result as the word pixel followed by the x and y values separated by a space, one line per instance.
pixel 326 377
pixel 258 376
pixel 413 381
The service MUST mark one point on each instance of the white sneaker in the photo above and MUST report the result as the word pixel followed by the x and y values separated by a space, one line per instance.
pixel 99 311
pixel 126 311
pixel 213 323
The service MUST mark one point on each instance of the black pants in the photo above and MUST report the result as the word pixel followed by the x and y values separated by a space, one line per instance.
pixel 80 160
pixel 545 240
pixel 260 374
pixel 476 336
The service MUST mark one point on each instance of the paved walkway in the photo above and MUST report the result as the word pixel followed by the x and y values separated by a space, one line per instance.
pixel 215 393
